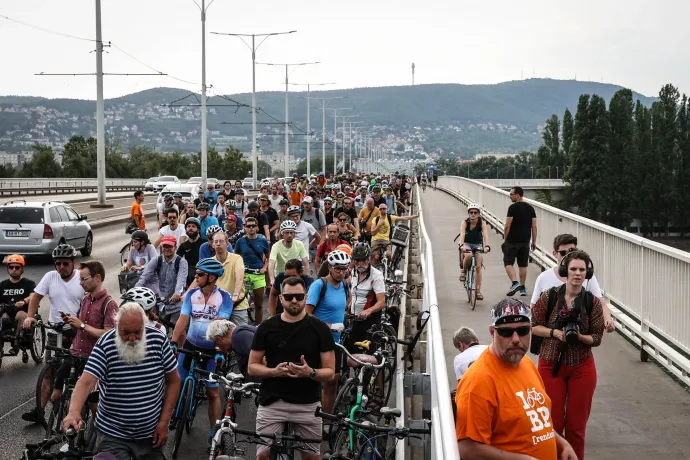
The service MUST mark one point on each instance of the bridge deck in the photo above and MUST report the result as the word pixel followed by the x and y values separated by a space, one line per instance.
pixel 639 411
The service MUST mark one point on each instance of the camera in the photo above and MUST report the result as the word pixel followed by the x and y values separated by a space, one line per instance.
pixel 572 323
pixel 571 332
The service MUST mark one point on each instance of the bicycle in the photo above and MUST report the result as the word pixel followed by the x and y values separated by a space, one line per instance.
pixel 282 445
pixel 191 396
pixel 42 450
pixel 469 283
pixel 35 343
pixel 124 252
pixel 371 440
pixel 224 441
pixel 249 293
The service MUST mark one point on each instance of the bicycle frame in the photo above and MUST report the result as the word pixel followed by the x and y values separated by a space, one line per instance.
pixel 191 379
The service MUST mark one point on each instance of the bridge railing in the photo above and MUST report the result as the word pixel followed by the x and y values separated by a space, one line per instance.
pixel 46 186
pixel 646 283
pixel 444 444
pixel 527 183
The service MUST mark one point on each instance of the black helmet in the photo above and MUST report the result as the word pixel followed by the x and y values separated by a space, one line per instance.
pixel 167 197
pixel 203 205
pixel 253 205
pixel 376 189
pixel 284 202
pixel 361 251
pixel 142 236
pixel 177 195
pixel 64 251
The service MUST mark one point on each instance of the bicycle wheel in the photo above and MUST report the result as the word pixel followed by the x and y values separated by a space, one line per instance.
pixel 38 344
pixel 227 445
pixel 182 421
pixel 343 403
pixel 199 396
pixel 397 256
pixel 381 385
pixel 473 300
pixel 47 369
pixel 469 284
pixel 124 253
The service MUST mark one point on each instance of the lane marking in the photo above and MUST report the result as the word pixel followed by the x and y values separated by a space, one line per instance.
pixel 21 405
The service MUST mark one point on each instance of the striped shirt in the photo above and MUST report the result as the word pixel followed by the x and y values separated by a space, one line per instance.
pixel 131 396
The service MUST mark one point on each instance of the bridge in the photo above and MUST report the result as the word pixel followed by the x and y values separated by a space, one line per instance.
pixel 641 406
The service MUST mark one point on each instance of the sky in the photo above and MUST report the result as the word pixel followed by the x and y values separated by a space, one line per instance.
pixel 640 44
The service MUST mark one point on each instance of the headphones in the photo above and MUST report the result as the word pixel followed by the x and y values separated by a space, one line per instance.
pixel 563 265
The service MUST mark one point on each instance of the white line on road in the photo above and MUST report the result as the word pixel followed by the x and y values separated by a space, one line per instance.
pixel 21 405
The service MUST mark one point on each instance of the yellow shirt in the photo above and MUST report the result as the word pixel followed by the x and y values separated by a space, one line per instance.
pixel 383 233
pixel 227 281
pixel 363 214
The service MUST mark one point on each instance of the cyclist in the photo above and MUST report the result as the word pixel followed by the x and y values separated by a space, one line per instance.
pixel 205 218
pixel 177 196
pixel 15 294
pixel 382 231
pixel 162 210
pixel 298 350
pixel 172 227
pixel 254 249
pixel 140 253
pixel 136 213
pixel 329 307
pixel 206 248
pixel 366 216
pixel 202 305
pixel 304 231
pixel 190 248
pixel 329 244
pixel 285 249
pixel 467 343
pixel 228 337
pixel 474 234
pixel 146 298
pixel 64 289
pixel 293 267
pixel 368 292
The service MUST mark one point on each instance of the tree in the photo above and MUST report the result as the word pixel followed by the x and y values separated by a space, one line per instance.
pixel 647 170
pixel 263 169
pixel 79 157
pixel 619 169
pixel 567 133
pixel 682 183
pixel 7 170
pixel 575 174
pixel 549 152
pixel 42 164
pixel 316 165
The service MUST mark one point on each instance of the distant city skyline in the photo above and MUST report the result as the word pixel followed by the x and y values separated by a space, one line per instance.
pixel 360 44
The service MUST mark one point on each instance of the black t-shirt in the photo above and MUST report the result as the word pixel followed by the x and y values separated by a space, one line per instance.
pixel 228 195
pixel 350 212
pixel 190 252
pixel 521 226
pixel 14 292
pixel 198 201
pixel 309 337
pixel 329 216
pixel 272 216
pixel 381 200
pixel 242 338
pixel 278 284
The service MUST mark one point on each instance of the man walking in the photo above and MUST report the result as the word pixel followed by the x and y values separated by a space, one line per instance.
pixel 520 226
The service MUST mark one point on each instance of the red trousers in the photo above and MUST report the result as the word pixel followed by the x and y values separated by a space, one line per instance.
pixel 571 393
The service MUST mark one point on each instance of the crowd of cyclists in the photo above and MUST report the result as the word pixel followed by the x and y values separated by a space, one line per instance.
pixel 192 316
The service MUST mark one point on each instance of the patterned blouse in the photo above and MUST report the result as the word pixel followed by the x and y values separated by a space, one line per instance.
pixel 574 354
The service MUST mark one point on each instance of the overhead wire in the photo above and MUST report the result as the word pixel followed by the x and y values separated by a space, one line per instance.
pixel 43 29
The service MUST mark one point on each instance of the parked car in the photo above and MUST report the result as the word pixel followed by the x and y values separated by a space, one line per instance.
pixel 166 180
pixel 248 183
pixel 37 227
pixel 150 185
pixel 188 191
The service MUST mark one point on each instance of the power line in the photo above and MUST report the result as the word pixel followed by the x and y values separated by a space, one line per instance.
pixel 43 29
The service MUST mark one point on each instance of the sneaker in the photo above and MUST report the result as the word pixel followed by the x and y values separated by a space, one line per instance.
pixel 514 288
pixel 523 292
pixel 208 445
pixel 31 416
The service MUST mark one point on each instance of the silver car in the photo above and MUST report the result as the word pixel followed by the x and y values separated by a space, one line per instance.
pixel 36 228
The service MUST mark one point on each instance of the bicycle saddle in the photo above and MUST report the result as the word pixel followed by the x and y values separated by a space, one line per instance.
pixel 361 357
pixel 364 344
pixel 390 411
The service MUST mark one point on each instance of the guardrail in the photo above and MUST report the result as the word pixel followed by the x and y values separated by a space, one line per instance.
pixel 46 186
pixel 443 441
pixel 525 183
pixel 645 282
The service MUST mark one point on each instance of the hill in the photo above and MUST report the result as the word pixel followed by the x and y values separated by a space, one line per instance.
pixel 158 112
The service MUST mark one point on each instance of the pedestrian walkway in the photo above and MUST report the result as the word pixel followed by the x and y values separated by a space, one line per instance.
pixel 639 411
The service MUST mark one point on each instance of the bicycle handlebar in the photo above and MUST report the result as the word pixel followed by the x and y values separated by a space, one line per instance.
pixel 370 426
pixel 196 354
pixel 375 366
pixel 231 380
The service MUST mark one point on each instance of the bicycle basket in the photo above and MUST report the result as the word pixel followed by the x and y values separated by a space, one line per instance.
pixel 401 233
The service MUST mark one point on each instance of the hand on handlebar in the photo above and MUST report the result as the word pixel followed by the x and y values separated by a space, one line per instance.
pixel 220 357
pixel 73 421
pixel 28 321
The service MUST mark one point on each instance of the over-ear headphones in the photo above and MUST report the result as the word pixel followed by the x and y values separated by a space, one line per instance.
pixel 563 266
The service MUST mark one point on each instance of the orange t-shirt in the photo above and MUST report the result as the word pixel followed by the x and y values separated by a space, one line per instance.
pixel 296 198
pixel 322 181
pixel 137 211
pixel 505 407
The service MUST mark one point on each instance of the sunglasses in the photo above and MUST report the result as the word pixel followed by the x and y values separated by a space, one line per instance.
pixel 566 251
pixel 14 267
pixel 200 274
pixel 340 268
pixel 166 246
pixel 62 264
pixel 474 212
pixel 383 209
pixel 290 297
pixel 250 226
pixel 342 220
pixel 172 217
pixel 507 332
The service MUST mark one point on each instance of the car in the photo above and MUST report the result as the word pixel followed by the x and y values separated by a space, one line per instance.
pixel 248 183
pixel 165 180
pixel 197 180
pixel 37 227
pixel 189 191
pixel 150 185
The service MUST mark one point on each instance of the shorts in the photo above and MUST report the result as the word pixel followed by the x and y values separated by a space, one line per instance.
pixel 271 419
pixel 468 247
pixel 126 449
pixel 11 311
pixel 360 330
pixel 512 251
pixel 240 316
pixel 184 361
pixel 258 280
pixel 375 244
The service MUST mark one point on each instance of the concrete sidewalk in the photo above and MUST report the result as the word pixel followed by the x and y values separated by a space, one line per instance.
pixel 639 412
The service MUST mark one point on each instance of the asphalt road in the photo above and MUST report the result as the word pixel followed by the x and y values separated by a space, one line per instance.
pixel 18 381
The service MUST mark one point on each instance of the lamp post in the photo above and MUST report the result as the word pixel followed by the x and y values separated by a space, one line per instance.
pixel 253 48
pixel 287 122
pixel 335 136
pixel 532 172
pixel 344 117
pixel 309 85
pixel 349 143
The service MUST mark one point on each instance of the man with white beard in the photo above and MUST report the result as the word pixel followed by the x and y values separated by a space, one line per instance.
pixel 136 370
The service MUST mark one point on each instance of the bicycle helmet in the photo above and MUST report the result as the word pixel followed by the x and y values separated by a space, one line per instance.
pixel 329 186
pixel 287 225
pixel 203 205
pixel 283 202
pixel 211 266
pixel 328 198
pixel 64 251
pixel 141 236
pixel 15 259
pixel 346 248
pixel 168 197
pixel 373 182
pixel 363 183
pixel 253 205
pixel 376 189
pixel 192 220
pixel 361 251
pixel 336 258
pixel 177 195
pixel 141 295
pixel 293 210
pixel 212 230
pixel 476 206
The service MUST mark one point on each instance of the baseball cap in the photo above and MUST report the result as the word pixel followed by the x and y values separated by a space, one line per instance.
pixel 308 199
pixel 510 310
pixel 231 217
pixel 263 196
pixel 169 240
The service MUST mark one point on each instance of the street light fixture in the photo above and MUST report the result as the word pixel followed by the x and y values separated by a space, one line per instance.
pixel 253 49
pixel 309 85
pixel 344 117
pixel 323 128
pixel 287 122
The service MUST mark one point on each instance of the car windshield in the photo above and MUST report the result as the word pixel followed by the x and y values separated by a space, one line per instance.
pixel 194 179
pixel 153 179
pixel 9 215
pixel 167 179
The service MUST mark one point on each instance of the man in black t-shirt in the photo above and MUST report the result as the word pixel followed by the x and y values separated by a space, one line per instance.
pixel 15 292
pixel 520 227
pixel 189 250
pixel 299 357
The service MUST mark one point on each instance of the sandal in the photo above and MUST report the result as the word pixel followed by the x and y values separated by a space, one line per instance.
pixel 480 296
pixel 463 277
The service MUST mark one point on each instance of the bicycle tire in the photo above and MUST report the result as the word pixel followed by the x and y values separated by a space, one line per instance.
pixel 38 344
pixel 124 253
pixel 397 257
pixel 183 419
pixel 380 390
pixel 39 385
pixel 343 403
pixel 227 445
pixel 468 285
pixel 392 347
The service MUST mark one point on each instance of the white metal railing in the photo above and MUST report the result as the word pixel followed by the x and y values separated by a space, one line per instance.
pixel 646 282
pixel 19 184
pixel 527 183
pixel 443 441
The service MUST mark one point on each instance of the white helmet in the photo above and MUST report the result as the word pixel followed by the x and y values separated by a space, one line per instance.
pixel 141 295
pixel 338 258
pixel 287 225
pixel 363 183
pixel 293 209
pixel 476 206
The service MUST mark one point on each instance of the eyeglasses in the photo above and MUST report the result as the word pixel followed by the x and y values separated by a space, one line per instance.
pixel 342 220
pixel 474 212
pixel 14 267
pixel 200 274
pixel 383 209
pixel 172 217
pixel 85 278
pixel 62 264
pixel 289 297
pixel 566 251
pixel 166 246
pixel 340 268
pixel 250 226
pixel 509 331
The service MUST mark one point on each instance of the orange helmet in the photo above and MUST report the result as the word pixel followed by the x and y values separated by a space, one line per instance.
pixel 345 248
pixel 15 259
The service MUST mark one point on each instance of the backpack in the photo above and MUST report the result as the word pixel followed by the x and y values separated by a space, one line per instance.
pixel 535 345
pixel 160 264
pixel 108 299
pixel 322 293
pixel 390 225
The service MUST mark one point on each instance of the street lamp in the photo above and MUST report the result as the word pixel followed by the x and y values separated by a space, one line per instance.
pixel 532 172
pixel 344 117
pixel 335 136
pixel 323 128
pixel 253 48
pixel 287 122
pixel 309 122
pixel 349 143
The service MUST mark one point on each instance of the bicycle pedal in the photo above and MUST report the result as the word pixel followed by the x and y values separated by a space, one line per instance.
pixel 25 357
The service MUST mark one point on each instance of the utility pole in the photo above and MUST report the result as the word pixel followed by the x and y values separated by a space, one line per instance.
pixel 324 103
pixel 344 117
pixel 309 85
pixel 100 109
pixel 204 142
pixel 413 74
pixel 335 137
pixel 253 49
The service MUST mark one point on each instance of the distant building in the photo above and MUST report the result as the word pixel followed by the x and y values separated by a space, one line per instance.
pixel 497 155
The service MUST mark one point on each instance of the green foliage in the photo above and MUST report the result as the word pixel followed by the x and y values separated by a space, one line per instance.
pixel 567 133
pixel 42 164
pixel 316 165
pixel 263 169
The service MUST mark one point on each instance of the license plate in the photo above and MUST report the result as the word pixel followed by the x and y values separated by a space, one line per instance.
pixel 16 233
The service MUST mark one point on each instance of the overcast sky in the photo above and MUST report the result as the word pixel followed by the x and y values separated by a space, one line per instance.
pixel 641 44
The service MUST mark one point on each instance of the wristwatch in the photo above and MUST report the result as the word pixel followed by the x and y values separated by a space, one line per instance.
pixel 313 374
pixel 82 326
